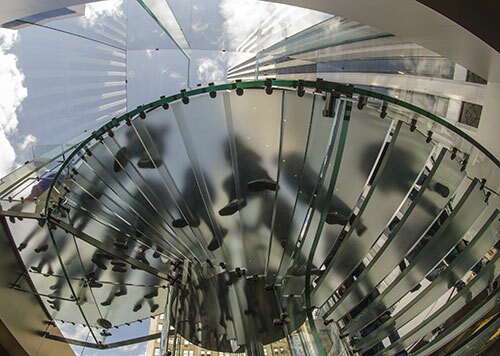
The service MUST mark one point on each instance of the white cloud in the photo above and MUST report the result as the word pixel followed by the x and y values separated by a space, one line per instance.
pixel 29 140
pixel 76 332
pixel 250 26
pixel 95 10
pixel 129 348
pixel 199 26
pixel 175 75
pixel 209 70
pixel 12 94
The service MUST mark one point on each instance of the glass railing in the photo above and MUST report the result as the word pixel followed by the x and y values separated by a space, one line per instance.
pixel 269 201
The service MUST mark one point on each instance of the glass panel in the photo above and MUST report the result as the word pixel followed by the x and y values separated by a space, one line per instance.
pixel 451 231
pixel 73 85
pixel 329 33
pixel 106 27
pixel 464 297
pixel 144 33
pixel 365 137
pixel 161 200
pixel 297 113
pixel 482 339
pixel 176 178
pixel 478 247
pixel 162 13
pixel 144 84
pixel 75 269
pixel 129 193
pixel 206 136
pixel 318 140
pixel 395 182
pixel 415 222
pixel 196 183
pixel 255 129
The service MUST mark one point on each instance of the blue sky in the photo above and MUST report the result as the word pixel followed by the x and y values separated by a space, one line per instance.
pixel 136 329
pixel 56 86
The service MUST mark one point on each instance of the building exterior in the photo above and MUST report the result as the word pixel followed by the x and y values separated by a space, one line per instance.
pixel 186 348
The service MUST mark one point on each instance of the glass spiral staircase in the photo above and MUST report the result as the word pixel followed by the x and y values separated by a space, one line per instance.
pixel 252 211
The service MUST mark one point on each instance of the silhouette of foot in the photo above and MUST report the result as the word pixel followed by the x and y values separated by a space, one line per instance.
pixel 99 263
pixel 442 190
pixel 137 307
pixel 147 163
pixel 417 287
pixel 22 246
pixel 154 307
pixel 120 293
pixel 54 306
pixel 42 248
pixel 106 303
pixel 95 284
pixel 214 244
pixel 179 223
pixel 118 263
pixel 233 206
pixel 259 185
pixel 361 228
pixel 118 269
pixel 151 295
pixel 334 218
pixel 121 156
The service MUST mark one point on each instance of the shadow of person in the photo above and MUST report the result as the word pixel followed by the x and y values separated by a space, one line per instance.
pixel 249 176
pixel 309 185
pixel 134 147
pixel 194 210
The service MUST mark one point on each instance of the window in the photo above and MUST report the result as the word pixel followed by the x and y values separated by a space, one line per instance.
pixel 191 352
pixel 157 351
pixel 185 353
pixel 160 326
pixel 162 316
pixel 265 352
pixel 282 349
pixel 470 114
pixel 186 342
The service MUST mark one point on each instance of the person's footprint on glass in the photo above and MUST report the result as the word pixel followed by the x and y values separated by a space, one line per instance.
pixel 251 177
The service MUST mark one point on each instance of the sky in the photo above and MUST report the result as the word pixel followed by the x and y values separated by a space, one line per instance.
pixel 56 86
pixel 136 329
pixel 66 78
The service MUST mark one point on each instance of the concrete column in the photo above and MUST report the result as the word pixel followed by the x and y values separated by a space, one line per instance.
pixel 488 132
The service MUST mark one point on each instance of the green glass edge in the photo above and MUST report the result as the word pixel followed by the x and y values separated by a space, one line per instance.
pixel 333 181
pixel 394 232
pixel 383 162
